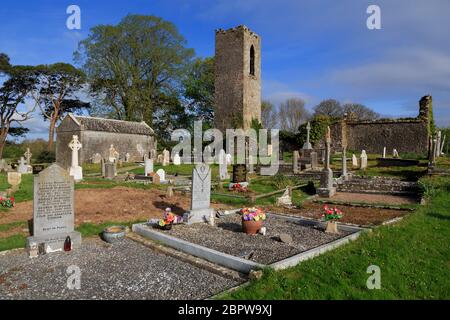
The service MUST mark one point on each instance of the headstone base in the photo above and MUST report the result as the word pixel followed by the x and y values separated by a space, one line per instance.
pixel 76 173
pixel 53 242
pixel 199 215
pixel 326 192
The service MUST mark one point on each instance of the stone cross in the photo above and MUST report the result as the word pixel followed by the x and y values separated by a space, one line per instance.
pixel 75 170
pixel 307 144
pixel 327 148
pixel 75 145
pixel 28 155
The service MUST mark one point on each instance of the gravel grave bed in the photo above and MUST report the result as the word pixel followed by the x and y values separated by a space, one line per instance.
pixel 227 237
pixel 125 270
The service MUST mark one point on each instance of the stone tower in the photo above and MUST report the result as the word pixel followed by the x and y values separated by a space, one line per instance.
pixel 237 78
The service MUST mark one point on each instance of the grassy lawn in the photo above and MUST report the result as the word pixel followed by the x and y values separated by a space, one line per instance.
pixel 413 256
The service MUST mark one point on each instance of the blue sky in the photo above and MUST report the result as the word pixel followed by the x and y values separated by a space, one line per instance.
pixel 310 49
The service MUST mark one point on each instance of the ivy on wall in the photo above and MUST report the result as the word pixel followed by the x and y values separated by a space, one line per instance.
pixel 319 126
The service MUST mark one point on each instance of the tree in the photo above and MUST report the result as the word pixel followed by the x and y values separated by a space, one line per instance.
pixel 56 93
pixel 360 111
pixel 129 65
pixel 292 114
pixel 15 88
pixel 329 107
pixel 268 115
pixel 199 89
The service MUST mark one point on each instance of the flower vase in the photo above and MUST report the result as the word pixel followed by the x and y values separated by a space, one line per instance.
pixel 331 227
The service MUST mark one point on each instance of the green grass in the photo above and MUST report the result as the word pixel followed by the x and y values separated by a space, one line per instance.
pixel 413 256
pixel 12 242
pixel 86 230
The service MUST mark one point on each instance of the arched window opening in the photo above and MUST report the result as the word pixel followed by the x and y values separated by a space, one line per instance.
pixel 252 60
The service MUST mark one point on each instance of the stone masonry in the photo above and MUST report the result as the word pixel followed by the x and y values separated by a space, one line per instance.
pixel 237 78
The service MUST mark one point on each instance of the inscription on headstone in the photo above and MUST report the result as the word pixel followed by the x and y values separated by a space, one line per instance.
pixel 53 210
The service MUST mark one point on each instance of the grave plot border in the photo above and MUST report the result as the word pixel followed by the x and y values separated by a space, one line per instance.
pixel 243 265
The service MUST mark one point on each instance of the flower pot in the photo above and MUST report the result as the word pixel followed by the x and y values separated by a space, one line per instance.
pixel 114 234
pixel 251 227
pixel 331 227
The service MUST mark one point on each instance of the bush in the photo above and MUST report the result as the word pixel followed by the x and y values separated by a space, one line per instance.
pixel 46 157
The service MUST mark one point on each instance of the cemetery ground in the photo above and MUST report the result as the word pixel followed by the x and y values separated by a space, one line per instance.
pixel 411 253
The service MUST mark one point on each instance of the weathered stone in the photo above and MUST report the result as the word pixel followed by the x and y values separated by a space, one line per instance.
pixel 295 158
pixel 166 157
pixel 285 238
pixel 314 160
pixel 148 167
pixel 363 160
pixel 23 167
pixel 97 134
pixel 155 178
pixel 176 159
pixel 53 210
pixel 237 78
pixel 14 178
pixel 286 198
pixel 96 158
pixel 223 169
pixel 110 170
pixel 354 161
pixel 28 155
pixel 200 195
pixel 162 175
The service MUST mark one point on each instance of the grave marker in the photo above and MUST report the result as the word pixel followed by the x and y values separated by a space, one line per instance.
pixel 75 170
pixel 53 210
pixel 200 195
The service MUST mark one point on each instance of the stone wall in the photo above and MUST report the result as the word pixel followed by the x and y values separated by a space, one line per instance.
pixel 237 92
pixel 409 135
pixel 99 142
pixel 403 135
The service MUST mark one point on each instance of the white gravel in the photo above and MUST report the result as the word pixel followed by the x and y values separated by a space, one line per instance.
pixel 125 270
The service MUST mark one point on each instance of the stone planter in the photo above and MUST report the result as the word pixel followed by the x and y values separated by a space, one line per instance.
pixel 114 234
pixel 251 227
pixel 331 227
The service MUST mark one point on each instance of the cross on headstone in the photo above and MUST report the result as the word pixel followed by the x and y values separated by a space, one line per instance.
pixel 75 145
pixel 75 170
pixel 307 144
pixel 28 155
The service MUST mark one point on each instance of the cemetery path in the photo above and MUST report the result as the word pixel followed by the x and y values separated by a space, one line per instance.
pixel 118 204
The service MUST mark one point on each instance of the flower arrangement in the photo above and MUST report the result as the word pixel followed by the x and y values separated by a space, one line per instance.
pixel 239 188
pixel 7 202
pixel 253 214
pixel 168 218
pixel 331 214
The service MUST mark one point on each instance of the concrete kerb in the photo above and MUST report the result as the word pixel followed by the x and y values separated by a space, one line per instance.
pixel 211 255
pixel 243 265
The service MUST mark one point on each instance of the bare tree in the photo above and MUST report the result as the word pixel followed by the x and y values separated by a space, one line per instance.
pixel 292 114
pixel 361 112
pixel 268 115
pixel 329 107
